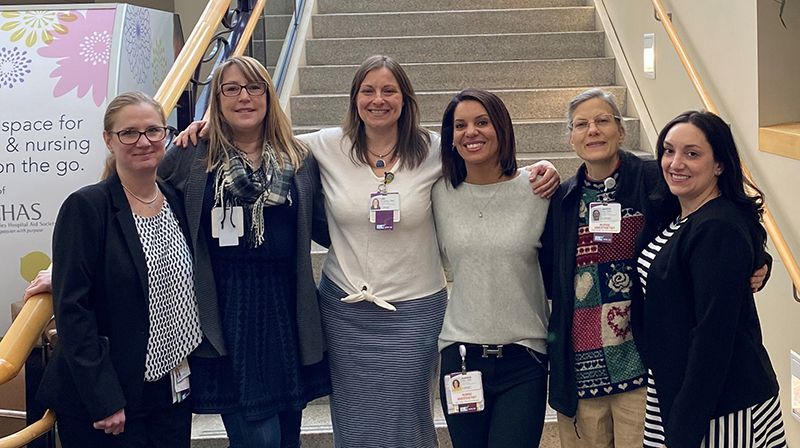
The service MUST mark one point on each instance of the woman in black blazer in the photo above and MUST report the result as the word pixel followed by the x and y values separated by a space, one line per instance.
pixel 711 379
pixel 124 296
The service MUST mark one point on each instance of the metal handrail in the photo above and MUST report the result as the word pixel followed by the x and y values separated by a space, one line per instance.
pixel 769 221
pixel 288 45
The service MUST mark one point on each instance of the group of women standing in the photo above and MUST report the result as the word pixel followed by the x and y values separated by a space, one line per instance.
pixel 376 330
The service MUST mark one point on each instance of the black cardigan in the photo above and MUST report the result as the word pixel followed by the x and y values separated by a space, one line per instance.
pixel 637 184
pixel 702 337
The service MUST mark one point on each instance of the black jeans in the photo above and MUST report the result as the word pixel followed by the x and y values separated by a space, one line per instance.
pixel 515 391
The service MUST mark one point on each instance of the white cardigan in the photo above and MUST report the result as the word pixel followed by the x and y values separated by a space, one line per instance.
pixel 379 266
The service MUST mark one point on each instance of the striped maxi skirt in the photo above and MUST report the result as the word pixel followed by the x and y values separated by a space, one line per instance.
pixel 759 426
pixel 384 369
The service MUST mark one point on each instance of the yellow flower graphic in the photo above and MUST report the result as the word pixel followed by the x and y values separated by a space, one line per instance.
pixel 35 25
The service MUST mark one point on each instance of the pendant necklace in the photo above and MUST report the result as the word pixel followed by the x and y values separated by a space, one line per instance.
pixel 481 209
pixel 380 163
pixel 148 203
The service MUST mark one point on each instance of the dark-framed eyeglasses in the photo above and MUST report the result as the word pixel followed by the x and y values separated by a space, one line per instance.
pixel 253 88
pixel 153 134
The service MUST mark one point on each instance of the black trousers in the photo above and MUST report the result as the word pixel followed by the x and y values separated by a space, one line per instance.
pixel 160 424
pixel 515 392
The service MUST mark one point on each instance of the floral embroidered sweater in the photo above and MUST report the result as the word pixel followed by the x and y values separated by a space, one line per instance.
pixel 606 359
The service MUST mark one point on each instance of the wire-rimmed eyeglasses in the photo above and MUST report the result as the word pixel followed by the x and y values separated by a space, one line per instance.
pixel 605 121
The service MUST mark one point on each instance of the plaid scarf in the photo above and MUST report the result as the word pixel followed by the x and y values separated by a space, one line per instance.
pixel 238 184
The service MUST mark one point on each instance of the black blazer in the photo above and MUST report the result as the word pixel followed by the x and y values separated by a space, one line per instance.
pixel 702 337
pixel 100 299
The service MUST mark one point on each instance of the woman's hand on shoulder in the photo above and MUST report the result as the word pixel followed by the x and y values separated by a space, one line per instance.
pixel 113 424
pixel 41 284
pixel 191 133
pixel 757 280
pixel 550 179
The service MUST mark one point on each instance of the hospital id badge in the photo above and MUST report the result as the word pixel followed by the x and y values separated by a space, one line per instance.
pixel 464 392
pixel 384 210
pixel 227 225
pixel 605 217
pixel 179 380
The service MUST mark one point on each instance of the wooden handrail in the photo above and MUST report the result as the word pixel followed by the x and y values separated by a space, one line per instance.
pixel 23 334
pixel 769 221
pixel 30 433
pixel 241 46
pixel 191 54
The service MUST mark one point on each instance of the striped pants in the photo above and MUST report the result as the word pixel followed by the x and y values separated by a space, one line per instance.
pixel 384 369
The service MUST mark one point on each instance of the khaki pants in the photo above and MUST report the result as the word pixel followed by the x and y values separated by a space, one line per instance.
pixel 613 421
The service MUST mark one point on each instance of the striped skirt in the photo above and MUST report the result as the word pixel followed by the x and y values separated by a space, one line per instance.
pixel 759 426
pixel 384 369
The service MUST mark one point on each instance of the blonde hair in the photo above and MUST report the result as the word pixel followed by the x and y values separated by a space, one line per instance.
pixel 123 100
pixel 277 128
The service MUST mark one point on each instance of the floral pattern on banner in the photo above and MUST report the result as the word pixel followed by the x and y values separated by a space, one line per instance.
pixel 137 41
pixel 83 55
pixel 159 64
pixel 13 66
pixel 35 25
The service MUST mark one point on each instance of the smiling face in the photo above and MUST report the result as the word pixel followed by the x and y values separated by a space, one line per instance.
pixel 144 155
pixel 689 166
pixel 244 113
pixel 597 144
pixel 379 100
pixel 474 136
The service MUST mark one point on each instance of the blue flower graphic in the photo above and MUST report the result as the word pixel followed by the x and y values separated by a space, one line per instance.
pixel 137 41
pixel 13 66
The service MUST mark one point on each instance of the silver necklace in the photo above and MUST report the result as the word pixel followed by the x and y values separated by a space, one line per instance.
pixel 148 203
pixel 481 209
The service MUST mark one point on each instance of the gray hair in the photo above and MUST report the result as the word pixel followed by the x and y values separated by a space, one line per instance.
pixel 608 97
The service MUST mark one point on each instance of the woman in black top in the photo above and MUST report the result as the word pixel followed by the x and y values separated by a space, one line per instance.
pixel 711 377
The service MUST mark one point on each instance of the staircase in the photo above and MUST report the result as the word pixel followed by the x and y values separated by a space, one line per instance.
pixel 534 54
pixel 271 31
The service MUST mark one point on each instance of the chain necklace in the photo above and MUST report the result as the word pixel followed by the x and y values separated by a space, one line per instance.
pixel 148 203
pixel 475 201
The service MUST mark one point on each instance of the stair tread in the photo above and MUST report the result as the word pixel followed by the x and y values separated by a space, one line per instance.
pixel 458 11
pixel 459 36
pixel 447 63
pixel 452 92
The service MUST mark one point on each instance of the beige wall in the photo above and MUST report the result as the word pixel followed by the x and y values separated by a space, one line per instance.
pixel 722 38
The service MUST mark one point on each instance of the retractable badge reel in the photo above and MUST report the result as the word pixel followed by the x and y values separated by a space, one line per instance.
pixel 384 206
pixel 464 390
pixel 605 218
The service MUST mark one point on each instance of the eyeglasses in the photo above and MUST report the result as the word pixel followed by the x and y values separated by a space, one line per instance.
pixel 605 121
pixel 253 89
pixel 153 134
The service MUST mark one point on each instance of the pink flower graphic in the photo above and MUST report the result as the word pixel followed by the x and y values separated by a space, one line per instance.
pixel 83 55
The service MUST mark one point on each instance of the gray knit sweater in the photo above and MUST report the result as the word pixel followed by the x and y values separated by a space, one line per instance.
pixel 497 295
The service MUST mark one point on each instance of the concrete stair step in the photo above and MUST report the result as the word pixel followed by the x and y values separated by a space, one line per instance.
pixel 317 432
pixel 567 163
pixel 277 7
pixel 430 23
pixel 276 26
pixel 355 6
pixel 274 47
pixel 317 79
pixel 522 104
pixel 479 47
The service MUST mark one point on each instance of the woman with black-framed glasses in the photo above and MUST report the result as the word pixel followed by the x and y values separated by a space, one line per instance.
pixel 124 296
pixel 250 189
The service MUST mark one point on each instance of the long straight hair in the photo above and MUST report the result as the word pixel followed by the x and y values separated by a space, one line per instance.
pixel 412 139
pixel 277 129
pixel 123 100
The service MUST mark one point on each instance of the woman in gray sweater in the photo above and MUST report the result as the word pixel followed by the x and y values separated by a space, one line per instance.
pixel 488 224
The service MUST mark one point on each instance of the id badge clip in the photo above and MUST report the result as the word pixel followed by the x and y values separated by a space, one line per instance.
pixel 227 225
pixel 464 390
